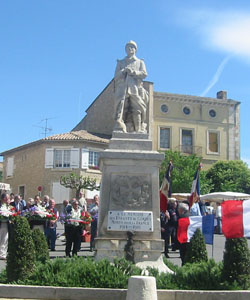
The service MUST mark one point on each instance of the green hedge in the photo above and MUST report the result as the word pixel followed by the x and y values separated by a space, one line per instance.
pixel 80 272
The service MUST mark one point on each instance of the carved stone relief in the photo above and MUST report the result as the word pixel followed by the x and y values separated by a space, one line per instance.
pixel 131 192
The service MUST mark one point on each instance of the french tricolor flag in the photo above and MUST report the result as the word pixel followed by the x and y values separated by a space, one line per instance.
pixel 236 218
pixel 188 226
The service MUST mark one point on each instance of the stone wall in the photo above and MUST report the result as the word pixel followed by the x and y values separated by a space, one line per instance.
pixel 61 293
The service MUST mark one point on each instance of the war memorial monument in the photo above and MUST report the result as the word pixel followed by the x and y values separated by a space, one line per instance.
pixel 129 222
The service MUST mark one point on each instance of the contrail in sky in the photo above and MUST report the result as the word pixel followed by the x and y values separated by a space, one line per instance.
pixel 216 75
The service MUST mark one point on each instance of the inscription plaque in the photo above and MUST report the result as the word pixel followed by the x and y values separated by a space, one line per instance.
pixel 130 221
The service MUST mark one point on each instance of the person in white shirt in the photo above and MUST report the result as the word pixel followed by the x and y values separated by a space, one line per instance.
pixel 218 218
pixel 74 230
pixel 82 201
pixel 4 211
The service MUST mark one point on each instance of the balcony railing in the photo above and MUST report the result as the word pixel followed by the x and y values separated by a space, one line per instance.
pixel 189 149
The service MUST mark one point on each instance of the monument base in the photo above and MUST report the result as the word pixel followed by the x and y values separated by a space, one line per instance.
pixel 130 202
pixel 147 253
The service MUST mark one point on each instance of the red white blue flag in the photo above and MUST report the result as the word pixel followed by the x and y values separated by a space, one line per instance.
pixel 236 218
pixel 188 226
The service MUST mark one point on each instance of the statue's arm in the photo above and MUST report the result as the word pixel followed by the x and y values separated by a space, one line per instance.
pixel 141 73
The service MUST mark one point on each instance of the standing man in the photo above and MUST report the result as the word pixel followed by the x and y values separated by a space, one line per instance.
pixel 18 203
pixel 218 218
pixel 45 202
pixel 50 230
pixel 131 98
pixel 94 214
pixel 4 210
pixel 183 210
pixel 82 201
pixel 74 230
pixel 171 225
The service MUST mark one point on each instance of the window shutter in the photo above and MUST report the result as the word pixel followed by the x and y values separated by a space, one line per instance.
pixel 85 158
pixel 49 158
pixel 10 166
pixel 74 158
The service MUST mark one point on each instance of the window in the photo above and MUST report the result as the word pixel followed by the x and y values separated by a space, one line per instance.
pixel 90 159
pixel 186 110
pixel 213 142
pixel 10 167
pixel 187 141
pixel 93 158
pixel 62 158
pixel 21 191
pixel 164 137
pixel 164 108
pixel 212 113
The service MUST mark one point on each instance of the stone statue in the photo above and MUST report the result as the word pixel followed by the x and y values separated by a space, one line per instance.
pixel 131 98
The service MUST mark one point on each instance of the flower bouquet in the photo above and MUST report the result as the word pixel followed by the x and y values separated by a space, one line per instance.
pixel 84 219
pixel 37 215
pixel 6 213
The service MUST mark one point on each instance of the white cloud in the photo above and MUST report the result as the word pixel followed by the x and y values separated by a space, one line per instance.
pixel 227 31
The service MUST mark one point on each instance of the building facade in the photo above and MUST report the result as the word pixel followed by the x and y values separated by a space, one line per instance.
pixel 40 165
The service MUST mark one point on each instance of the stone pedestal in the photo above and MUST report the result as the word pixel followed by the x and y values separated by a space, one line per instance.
pixel 130 190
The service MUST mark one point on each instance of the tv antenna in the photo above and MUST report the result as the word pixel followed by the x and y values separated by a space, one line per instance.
pixel 45 128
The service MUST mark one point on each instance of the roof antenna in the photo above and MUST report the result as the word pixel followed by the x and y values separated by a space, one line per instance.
pixel 45 128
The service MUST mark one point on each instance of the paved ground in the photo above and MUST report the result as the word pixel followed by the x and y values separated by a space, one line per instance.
pixel 215 251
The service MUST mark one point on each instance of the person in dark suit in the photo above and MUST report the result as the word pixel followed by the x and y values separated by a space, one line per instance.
pixel 18 203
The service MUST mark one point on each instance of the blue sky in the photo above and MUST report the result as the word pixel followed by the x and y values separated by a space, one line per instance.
pixel 56 56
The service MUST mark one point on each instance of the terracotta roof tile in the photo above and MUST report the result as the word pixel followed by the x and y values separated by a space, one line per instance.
pixel 78 135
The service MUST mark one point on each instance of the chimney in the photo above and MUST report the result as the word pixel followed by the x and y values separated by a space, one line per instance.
pixel 222 95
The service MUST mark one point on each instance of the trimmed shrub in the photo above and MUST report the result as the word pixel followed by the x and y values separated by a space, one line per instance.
pixel 80 272
pixel 41 246
pixel 196 249
pixel 236 262
pixel 21 252
pixel 200 276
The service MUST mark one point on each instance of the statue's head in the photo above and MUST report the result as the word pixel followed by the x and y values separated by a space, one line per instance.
pixel 131 48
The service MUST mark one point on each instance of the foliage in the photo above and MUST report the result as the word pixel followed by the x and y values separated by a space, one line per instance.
pixel 196 249
pixel 79 182
pixel 3 277
pixel 21 251
pixel 80 272
pixel 236 262
pixel 183 172
pixel 41 246
pixel 231 176
pixel 200 276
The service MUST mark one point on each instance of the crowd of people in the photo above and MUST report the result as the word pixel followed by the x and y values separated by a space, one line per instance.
pixel 75 214
pixel 175 211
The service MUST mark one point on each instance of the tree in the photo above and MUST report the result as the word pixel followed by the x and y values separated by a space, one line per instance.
pixel 183 172
pixel 21 250
pixel 78 182
pixel 233 176
pixel 236 262
pixel 196 249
